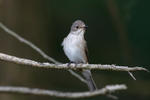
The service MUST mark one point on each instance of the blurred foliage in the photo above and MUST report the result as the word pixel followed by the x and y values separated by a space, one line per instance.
pixel 118 33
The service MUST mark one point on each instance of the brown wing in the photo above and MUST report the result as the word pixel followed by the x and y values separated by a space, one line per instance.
pixel 84 51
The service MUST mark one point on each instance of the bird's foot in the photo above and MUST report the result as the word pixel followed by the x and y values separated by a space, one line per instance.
pixel 75 64
pixel 70 63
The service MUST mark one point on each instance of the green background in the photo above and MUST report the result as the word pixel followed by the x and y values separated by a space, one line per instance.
pixel 118 33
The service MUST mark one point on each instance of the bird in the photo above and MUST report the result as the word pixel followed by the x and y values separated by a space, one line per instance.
pixel 75 48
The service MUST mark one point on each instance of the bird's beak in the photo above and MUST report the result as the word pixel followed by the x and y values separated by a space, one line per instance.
pixel 85 27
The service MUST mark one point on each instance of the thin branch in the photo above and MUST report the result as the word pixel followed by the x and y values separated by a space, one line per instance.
pixel 42 92
pixel 131 75
pixel 21 39
pixel 29 62
pixel 33 46
pixel 77 76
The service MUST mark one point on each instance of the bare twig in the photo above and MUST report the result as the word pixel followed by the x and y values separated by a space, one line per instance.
pixel 40 92
pixel 77 76
pixel 23 61
pixel 131 75
pixel 21 39
pixel 33 46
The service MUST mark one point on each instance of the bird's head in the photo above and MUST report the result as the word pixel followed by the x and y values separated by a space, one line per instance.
pixel 78 26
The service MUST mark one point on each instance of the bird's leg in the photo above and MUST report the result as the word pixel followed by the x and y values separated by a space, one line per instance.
pixel 76 66
pixel 70 63
pixel 76 63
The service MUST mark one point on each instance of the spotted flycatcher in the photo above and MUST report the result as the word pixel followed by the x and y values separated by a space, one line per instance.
pixel 75 48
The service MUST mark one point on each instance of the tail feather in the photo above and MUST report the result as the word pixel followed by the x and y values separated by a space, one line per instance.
pixel 90 82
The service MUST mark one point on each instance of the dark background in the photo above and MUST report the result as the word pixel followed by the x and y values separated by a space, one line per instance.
pixel 118 33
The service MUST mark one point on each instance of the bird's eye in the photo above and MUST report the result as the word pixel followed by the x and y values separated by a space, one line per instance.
pixel 77 27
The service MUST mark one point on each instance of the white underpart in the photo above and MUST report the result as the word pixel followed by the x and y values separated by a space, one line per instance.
pixel 73 46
